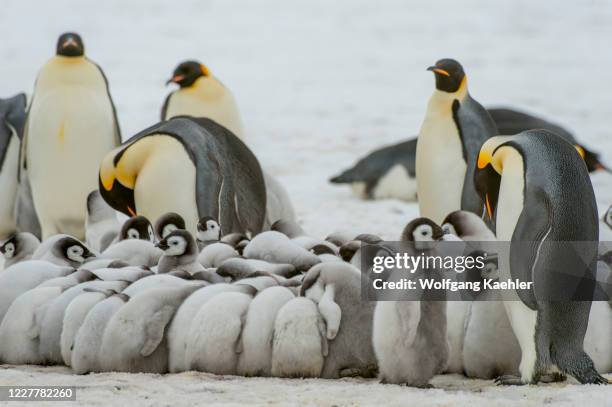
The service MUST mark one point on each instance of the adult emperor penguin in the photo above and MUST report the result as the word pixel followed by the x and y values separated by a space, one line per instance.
pixel 12 115
pixel 71 125
pixel 201 95
pixel 454 128
pixel 192 166
pixel 537 188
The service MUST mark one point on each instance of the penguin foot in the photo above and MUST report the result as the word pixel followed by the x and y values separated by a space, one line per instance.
pixel 350 372
pixel 555 377
pixel 509 380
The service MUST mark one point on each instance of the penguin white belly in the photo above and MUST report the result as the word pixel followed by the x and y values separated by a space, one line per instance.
pixel 167 182
pixel 440 167
pixel 396 183
pixel 509 208
pixel 8 186
pixel 69 132
pixel 221 109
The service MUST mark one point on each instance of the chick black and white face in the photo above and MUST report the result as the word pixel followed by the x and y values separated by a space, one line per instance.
pixel 177 246
pixel 138 227
pixel 449 75
pixel 208 230
pixel 187 73
pixel 8 250
pixel 608 217
pixel 76 253
pixel 167 229
pixel 423 233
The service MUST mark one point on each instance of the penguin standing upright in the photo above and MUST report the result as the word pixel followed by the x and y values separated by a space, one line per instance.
pixel 71 125
pixel 537 189
pixel 202 95
pixel 454 128
pixel 12 115
pixel 191 166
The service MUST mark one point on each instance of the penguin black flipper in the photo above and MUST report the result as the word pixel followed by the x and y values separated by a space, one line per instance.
pixel 117 128
pixel 371 168
pixel 475 127
pixel 12 113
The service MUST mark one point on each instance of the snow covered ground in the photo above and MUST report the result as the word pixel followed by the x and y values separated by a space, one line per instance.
pixel 319 84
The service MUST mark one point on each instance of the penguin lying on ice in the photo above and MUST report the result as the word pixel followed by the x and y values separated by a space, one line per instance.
pixel 389 172
pixel 192 166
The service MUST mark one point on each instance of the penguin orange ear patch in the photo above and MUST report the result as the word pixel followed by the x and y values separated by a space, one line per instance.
pixel 580 150
pixel 205 70
pixel 484 158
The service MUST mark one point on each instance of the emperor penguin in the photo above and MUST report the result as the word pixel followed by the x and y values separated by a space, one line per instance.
pixel 12 116
pixel 71 125
pixel 19 247
pixel 192 166
pixel 168 223
pixel 201 94
pixel 454 128
pixel 537 189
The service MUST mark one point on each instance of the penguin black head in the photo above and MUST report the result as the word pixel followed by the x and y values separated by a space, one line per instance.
pixel 487 182
pixel 168 222
pixel 178 243
pixel 187 73
pixel 70 45
pixel 137 227
pixel 591 159
pixel 422 230
pixel 208 229
pixel 449 75
pixel 73 250
pixel 10 247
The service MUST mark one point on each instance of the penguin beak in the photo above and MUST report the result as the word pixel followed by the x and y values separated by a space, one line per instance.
pixel 488 206
pixel 175 79
pixel 89 255
pixel 163 244
pixel 438 71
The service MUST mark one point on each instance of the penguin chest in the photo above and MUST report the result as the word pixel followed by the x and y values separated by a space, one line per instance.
pixel 70 129
pixel 511 198
pixel 8 186
pixel 440 166
pixel 219 107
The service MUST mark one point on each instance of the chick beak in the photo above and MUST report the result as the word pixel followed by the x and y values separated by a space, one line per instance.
pixel 162 245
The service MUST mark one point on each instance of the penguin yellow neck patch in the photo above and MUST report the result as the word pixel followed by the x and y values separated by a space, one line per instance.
pixel 61 135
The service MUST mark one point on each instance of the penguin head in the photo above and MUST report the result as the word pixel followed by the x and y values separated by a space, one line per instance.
pixel 449 75
pixel 137 227
pixel 73 250
pixel 10 247
pixel 487 176
pixel 607 217
pixel 70 45
pixel 421 232
pixel 187 73
pixel 178 243
pixel 208 229
pixel 168 223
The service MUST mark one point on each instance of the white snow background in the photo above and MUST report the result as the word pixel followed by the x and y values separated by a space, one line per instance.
pixel 319 84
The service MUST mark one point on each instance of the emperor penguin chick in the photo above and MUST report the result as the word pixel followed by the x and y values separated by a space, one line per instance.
pixel 409 337
pixel 167 223
pixel 200 94
pixel 18 247
pixel 71 125
pixel 135 340
pixel 181 254
pixel 454 128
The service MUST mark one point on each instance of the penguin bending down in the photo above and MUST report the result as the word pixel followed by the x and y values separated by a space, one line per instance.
pixel 454 128
pixel 200 94
pixel 523 180
pixel 12 117
pixel 191 166
pixel 19 247
pixel 71 124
